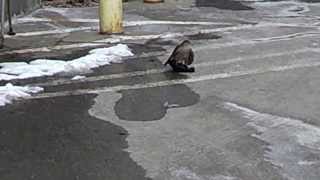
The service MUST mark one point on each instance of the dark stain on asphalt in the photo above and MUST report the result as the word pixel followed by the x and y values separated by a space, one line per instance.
pixel 159 42
pixel 203 36
pixel 143 48
pixel 57 139
pixel 223 4
pixel 151 104
pixel 167 42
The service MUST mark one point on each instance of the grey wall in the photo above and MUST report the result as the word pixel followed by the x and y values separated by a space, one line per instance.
pixel 23 6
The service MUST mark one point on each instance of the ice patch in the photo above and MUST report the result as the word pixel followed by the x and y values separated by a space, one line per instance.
pixel 291 142
pixel 285 8
pixel 308 163
pixel 9 92
pixel 186 174
pixel 44 67
pixel 305 134
pixel 28 19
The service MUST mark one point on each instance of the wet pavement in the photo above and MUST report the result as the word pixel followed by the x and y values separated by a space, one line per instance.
pixel 249 112
pixel 38 143
pixel 223 4
pixel 158 101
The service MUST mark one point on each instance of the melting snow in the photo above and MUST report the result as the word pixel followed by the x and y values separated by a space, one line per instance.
pixel 78 77
pixel 9 92
pixel 44 67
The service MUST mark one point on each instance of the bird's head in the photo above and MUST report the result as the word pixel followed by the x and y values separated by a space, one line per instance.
pixel 186 42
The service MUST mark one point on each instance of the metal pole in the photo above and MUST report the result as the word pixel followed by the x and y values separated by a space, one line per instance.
pixel 10 32
pixel 110 12
pixel 3 5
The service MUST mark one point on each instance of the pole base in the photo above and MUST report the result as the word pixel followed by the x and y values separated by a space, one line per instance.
pixel 1 42
pixel 111 33
pixel 11 33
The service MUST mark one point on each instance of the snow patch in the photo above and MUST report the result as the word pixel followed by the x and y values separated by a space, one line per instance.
pixel 9 92
pixel 78 77
pixel 28 19
pixel 44 67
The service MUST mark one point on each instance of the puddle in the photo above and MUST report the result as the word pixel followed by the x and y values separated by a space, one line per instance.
pixel 223 4
pixel 151 104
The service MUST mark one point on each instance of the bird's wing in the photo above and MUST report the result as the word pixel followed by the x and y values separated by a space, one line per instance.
pixel 174 53
pixel 190 58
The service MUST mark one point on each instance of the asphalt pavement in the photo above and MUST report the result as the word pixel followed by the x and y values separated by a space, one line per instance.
pixel 249 112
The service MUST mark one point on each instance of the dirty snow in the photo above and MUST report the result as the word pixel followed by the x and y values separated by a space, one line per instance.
pixel 9 92
pixel 78 77
pixel 44 67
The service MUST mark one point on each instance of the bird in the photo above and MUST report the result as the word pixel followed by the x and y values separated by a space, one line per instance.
pixel 181 57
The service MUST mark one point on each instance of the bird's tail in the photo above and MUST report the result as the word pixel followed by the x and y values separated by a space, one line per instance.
pixel 166 63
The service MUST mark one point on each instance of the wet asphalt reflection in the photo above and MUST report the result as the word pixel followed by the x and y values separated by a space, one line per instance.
pixel 152 103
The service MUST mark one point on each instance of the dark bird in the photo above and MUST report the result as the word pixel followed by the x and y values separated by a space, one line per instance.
pixel 181 57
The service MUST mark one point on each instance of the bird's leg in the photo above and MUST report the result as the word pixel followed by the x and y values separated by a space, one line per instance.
pixel 182 68
pixel 191 69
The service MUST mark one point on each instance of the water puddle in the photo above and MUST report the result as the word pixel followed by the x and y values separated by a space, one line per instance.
pixel 203 36
pixel 152 103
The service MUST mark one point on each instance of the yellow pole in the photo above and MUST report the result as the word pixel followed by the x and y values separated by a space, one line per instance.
pixel 110 12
